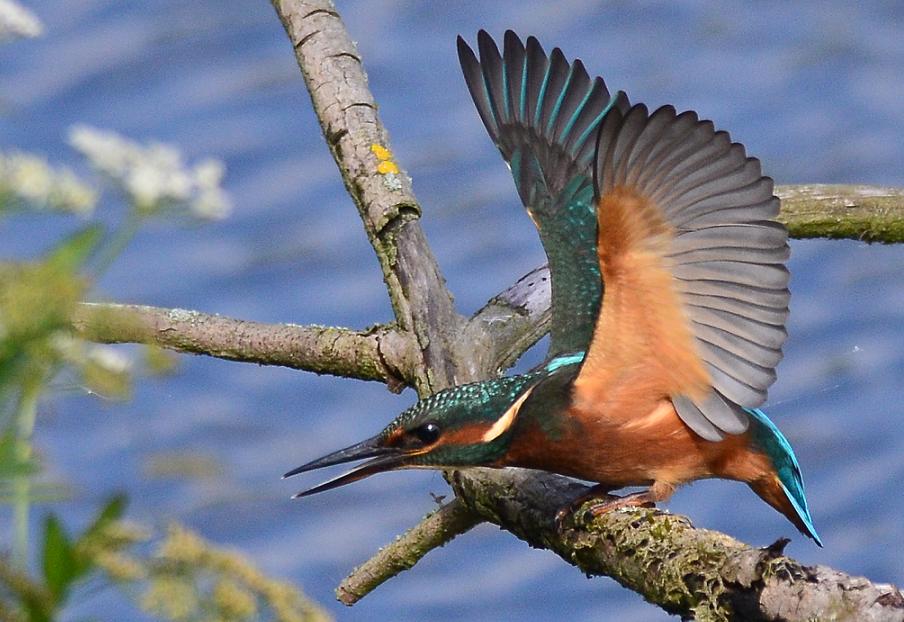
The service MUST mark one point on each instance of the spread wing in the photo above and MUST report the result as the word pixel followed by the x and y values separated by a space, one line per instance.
pixel 543 114
pixel 696 287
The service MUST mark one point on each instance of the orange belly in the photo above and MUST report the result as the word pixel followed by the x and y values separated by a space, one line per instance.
pixel 638 450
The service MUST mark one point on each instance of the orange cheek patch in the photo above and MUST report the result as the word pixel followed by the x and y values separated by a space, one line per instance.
pixel 470 434
pixel 395 437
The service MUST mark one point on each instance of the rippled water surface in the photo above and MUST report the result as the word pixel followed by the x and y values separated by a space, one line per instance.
pixel 815 90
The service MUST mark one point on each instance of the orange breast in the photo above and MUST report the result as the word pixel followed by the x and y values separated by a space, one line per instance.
pixel 635 449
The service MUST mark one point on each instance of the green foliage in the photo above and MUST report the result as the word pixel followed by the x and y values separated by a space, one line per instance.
pixel 185 578
pixel 63 561
pixel 37 300
pixel 72 253
pixel 23 598
pixel 190 580
pixel 11 463
pixel 59 559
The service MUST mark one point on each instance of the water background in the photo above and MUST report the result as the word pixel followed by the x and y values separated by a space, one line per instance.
pixel 813 89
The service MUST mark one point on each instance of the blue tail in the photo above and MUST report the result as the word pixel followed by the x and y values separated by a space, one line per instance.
pixel 777 447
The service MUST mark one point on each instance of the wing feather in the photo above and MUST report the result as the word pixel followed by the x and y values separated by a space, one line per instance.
pixel 543 113
pixel 694 265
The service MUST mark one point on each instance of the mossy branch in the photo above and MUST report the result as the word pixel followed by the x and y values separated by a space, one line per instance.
pixel 695 573
pixel 852 212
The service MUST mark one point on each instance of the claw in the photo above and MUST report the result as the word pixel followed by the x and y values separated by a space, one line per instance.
pixel 634 500
pixel 593 493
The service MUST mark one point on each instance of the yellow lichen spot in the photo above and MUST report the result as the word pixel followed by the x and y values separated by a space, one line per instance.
pixel 387 167
pixel 381 152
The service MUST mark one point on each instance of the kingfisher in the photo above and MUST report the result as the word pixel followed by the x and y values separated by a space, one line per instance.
pixel 669 302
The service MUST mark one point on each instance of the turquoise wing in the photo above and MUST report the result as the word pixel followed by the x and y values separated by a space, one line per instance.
pixel 543 113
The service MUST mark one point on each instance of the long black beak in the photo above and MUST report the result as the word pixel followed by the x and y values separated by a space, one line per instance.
pixel 384 459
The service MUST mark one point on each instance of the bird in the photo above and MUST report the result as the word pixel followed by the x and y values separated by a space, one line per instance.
pixel 669 298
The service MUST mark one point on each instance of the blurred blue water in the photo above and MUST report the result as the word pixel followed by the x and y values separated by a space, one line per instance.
pixel 813 89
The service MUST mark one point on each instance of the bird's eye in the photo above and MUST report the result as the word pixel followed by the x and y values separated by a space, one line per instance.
pixel 427 433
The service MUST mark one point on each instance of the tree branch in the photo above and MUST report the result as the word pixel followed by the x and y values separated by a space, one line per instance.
pixel 510 323
pixel 381 191
pixel 495 336
pixel 868 213
pixel 378 353
pixel 434 531
pixel 515 319
pixel 691 572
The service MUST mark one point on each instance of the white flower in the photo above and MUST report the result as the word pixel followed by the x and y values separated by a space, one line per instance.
pixel 154 175
pixel 209 173
pixel 16 21
pixel 69 190
pixel 76 351
pixel 213 204
pixel 29 179
pixel 68 347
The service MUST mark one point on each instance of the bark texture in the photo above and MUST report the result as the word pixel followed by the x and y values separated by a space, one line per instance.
pixel 435 530
pixel 867 213
pixel 380 189
pixel 379 353
pixel 695 573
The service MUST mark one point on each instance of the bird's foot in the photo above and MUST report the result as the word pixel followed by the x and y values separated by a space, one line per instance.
pixel 641 499
pixel 598 492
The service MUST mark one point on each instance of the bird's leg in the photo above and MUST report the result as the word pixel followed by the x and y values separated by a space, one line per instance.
pixel 599 491
pixel 659 491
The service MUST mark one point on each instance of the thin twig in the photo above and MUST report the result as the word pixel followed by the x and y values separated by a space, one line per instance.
pixel 510 323
pixel 434 531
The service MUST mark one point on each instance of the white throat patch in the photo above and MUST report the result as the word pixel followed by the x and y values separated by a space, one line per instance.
pixel 504 422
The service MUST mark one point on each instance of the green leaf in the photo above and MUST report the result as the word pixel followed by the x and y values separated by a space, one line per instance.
pixel 59 563
pixel 11 464
pixel 113 510
pixel 71 253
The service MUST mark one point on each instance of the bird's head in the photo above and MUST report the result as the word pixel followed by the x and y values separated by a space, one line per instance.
pixel 467 425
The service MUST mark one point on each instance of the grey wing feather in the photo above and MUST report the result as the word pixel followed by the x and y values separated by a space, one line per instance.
pixel 727 252
pixel 714 417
